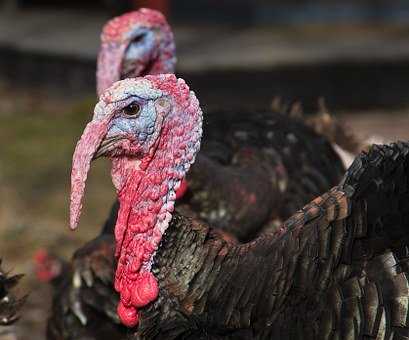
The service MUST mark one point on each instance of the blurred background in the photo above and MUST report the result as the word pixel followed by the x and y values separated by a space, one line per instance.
pixel 233 53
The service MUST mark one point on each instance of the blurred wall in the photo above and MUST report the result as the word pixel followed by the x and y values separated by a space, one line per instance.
pixel 243 11
pixel 290 11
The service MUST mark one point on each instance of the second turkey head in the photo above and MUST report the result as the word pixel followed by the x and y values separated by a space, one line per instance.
pixel 135 44
pixel 151 128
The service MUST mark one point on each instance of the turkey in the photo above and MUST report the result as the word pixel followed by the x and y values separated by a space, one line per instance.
pixel 255 169
pixel 9 304
pixel 338 268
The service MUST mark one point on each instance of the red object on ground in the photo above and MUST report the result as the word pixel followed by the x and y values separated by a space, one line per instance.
pixel 160 5
pixel 46 266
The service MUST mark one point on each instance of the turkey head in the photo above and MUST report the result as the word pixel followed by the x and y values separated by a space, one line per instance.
pixel 135 44
pixel 151 129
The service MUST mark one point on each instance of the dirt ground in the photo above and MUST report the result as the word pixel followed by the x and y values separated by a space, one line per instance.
pixel 37 139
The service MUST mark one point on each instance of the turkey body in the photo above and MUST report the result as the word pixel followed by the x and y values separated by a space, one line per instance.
pixel 336 269
pixel 255 169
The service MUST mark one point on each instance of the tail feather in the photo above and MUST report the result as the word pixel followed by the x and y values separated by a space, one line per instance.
pixel 378 180
pixel 352 278
pixel 372 298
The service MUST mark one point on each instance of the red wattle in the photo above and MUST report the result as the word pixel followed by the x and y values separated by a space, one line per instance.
pixel 145 291
pixel 128 315
pixel 137 241
pixel 182 189
pixel 46 266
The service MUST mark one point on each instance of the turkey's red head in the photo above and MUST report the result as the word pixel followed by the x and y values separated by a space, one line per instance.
pixel 151 129
pixel 135 44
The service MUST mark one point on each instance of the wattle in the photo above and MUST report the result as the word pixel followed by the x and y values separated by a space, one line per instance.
pixel 139 293
pixel 138 234
pixel 128 315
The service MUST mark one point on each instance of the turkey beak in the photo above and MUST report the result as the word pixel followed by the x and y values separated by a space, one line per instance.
pixel 107 145
pixel 86 150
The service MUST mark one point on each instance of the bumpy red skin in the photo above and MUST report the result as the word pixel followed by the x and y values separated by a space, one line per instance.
pixel 146 184
pixel 115 38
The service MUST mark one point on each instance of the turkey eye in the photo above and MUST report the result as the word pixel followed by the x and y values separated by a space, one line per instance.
pixel 132 109
pixel 138 38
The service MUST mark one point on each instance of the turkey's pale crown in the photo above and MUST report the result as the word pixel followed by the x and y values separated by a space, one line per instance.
pixel 119 29
pixel 124 89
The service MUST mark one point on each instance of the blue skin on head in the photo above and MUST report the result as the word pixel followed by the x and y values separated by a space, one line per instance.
pixel 140 126
pixel 139 51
